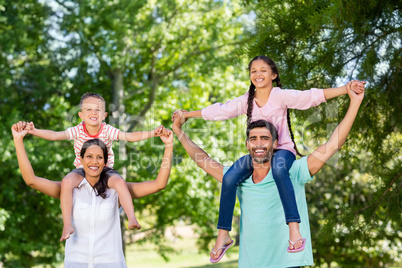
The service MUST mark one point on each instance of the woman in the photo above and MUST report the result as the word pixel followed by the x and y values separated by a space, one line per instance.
pixel 97 240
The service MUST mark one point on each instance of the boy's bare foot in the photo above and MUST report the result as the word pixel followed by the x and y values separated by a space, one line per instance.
pixel 294 235
pixel 222 240
pixel 133 224
pixel 67 231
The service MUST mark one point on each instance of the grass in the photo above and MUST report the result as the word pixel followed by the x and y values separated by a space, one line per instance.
pixel 144 256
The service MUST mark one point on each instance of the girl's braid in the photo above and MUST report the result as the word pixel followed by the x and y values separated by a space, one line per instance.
pixel 278 83
pixel 251 93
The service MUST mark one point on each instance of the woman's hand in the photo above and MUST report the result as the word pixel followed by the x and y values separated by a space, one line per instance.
pixel 19 130
pixel 167 137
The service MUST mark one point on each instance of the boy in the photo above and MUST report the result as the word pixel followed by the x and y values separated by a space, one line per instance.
pixel 92 113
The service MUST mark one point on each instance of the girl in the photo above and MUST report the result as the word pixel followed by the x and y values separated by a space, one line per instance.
pixel 263 101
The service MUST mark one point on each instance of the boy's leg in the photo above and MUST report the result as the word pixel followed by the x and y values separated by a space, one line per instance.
pixel 69 182
pixel 281 163
pixel 116 182
pixel 237 173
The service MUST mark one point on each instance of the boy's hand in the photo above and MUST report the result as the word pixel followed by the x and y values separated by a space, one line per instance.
pixel 19 130
pixel 167 137
pixel 357 86
pixel 30 127
pixel 178 118
pixel 158 131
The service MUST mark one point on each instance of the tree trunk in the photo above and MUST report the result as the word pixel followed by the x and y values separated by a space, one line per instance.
pixel 117 119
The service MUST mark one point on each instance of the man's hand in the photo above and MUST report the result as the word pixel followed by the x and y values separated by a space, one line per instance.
pixel 178 118
pixel 353 95
pixel 357 86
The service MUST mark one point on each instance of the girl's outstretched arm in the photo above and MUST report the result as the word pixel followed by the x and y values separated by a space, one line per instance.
pixel 145 188
pixel 192 114
pixel 356 86
pixel 48 187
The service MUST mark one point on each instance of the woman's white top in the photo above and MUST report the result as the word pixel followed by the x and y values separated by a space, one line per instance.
pixel 96 241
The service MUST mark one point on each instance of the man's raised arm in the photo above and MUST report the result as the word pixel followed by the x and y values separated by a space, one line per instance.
pixel 199 156
pixel 322 154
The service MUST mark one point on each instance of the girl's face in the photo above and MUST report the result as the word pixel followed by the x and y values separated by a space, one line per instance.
pixel 93 161
pixel 261 74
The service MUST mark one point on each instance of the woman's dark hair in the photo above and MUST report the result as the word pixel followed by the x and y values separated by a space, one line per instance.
pixel 251 94
pixel 101 186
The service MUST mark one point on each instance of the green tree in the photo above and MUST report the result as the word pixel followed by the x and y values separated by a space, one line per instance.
pixel 26 76
pixel 355 202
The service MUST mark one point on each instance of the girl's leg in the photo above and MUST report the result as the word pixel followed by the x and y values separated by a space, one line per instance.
pixel 281 163
pixel 116 182
pixel 241 170
pixel 69 182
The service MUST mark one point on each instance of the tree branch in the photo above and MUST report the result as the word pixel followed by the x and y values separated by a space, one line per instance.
pixel 382 196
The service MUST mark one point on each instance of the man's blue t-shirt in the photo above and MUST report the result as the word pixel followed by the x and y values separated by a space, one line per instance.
pixel 264 233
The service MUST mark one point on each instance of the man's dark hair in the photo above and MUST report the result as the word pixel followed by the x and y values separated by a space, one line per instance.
pixel 93 95
pixel 263 123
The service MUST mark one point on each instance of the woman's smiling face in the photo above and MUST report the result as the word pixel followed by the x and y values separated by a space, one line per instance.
pixel 93 161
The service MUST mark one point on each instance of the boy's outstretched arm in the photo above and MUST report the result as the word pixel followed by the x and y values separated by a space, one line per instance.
pixel 323 153
pixel 46 134
pixel 145 188
pixel 48 187
pixel 140 135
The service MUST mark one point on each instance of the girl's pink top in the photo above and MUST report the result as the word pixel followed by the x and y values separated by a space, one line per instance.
pixel 273 111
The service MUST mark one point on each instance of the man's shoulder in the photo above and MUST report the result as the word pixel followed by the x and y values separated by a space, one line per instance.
pixel 300 171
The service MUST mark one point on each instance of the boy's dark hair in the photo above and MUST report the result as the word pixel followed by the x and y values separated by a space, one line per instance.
pixel 93 95
pixel 101 185
pixel 263 123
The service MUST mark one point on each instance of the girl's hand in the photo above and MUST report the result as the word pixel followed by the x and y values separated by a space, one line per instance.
pixel 357 86
pixel 19 130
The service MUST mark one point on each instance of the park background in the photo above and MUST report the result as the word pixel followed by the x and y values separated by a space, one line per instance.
pixel 149 58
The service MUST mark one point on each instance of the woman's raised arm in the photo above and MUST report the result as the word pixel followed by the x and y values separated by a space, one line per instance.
pixel 145 188
pixel 48 187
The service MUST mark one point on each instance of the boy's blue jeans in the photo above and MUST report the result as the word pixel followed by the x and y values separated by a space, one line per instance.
pixel 241 170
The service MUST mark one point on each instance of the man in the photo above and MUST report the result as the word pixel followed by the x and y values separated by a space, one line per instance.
pixel 262 232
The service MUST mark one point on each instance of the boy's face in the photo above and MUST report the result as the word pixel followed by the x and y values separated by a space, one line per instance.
pixel 92 111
